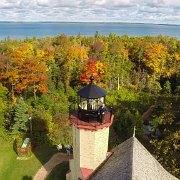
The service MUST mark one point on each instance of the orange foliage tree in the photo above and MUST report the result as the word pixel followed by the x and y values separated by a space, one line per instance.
pixel 95 68
pixel 21 68
pixel 9 73
pixel 33 77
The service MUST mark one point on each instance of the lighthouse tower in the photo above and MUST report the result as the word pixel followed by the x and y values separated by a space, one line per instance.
pixel 90 125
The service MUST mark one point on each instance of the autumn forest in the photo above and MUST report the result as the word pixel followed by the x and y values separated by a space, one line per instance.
pixel 39 79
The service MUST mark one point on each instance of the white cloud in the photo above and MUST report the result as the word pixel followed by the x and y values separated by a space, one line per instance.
pixel 156 11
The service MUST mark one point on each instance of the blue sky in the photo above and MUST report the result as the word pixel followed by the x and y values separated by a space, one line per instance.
pixel 134 11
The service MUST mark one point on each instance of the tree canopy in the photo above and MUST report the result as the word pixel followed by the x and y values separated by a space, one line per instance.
pixel 39 78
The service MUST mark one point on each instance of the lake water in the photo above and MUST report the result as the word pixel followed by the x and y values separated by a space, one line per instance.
pixel 22 30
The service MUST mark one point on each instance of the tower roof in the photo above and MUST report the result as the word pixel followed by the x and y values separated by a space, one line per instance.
pixel 92 90
pixel 129 161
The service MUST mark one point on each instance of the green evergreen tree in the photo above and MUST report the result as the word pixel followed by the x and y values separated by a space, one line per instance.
pixel 20 118
pixel 167 87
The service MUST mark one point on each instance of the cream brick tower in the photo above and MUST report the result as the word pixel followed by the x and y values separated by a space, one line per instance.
pixel 90 125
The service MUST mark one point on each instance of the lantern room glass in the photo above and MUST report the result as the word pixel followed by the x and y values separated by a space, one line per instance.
pixel 90 104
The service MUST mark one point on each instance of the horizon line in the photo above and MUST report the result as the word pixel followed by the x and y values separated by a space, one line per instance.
pixel 108 22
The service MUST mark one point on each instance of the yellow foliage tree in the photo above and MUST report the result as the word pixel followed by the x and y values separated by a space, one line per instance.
pixel 155 58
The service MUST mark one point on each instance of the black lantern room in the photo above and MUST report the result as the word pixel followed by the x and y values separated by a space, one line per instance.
pixel 91 98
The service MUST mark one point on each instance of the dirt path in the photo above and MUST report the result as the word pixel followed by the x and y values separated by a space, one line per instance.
pixel 45 170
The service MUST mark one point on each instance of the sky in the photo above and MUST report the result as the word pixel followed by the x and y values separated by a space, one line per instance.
pixel 133 11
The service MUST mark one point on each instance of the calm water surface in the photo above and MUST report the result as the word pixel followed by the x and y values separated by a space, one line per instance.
pixel 22 30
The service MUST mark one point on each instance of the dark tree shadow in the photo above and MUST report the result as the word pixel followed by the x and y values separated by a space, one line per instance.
pixel 59 172
pixel 27 178
pixel 42 147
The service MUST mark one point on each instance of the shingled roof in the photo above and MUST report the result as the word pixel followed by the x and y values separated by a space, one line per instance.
pixel 131 161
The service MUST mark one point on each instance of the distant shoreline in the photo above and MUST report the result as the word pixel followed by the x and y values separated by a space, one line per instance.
pixel 84 22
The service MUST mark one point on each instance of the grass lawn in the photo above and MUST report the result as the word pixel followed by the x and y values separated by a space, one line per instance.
pixel 13 169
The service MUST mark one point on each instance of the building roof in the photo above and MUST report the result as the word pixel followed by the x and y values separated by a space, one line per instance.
pixel 131 161
pixel 92 91
pixel 86 172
